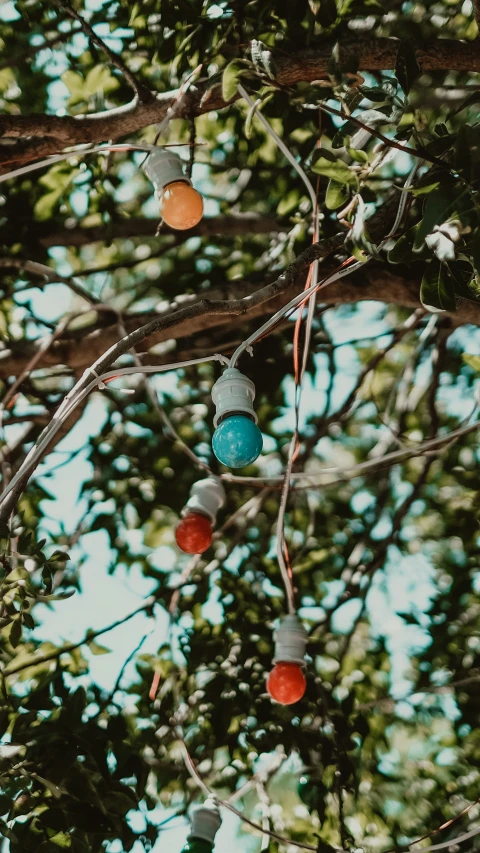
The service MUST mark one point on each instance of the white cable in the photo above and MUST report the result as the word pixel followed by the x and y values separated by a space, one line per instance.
pixel 76 152
pixel 283 148
pixel 329 280
pixel 73 399
pixel 289 306
pixel 363 467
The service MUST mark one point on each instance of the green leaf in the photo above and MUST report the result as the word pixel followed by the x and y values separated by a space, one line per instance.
pixel 59 556
pixel 407 68
pixel 402 251
pixel 437 291
pixel 61 839
pixel 476 250
pixel 100 79
pixel 336 195
pixel 425 188
pixel 326 13
pixel 472 99
pixel 230 80
pixel 15 633
pixel 472 361
pixel 358 236
pixel 288 203
pixel 337 170
pixel 97 649
pixel 74 83
pixel 358 156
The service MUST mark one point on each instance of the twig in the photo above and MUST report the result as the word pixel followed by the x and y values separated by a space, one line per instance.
pixel 44 657
pixel 51 276
pixel 142 92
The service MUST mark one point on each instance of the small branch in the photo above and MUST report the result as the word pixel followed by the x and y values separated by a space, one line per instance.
pixel 441 689
pixel 51 275
pixel 142 92
pixel 58 38
pixel 70 647
pixel 390 143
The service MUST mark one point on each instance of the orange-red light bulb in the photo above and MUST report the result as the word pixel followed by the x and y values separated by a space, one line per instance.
pixel 194 533
pixel 181 206
pixel 286 683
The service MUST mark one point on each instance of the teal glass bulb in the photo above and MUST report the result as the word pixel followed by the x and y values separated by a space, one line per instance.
pixel 237 441
pixel 197 845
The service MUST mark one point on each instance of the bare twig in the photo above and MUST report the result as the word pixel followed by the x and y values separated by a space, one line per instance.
pixel 142 92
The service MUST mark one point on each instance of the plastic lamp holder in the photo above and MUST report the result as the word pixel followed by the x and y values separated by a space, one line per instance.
pixel 233 394
pixel 164 167
pixel 206 497
pixel 290 641
pixel 206 822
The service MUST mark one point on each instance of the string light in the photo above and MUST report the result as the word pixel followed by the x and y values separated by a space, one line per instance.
pixel 181 206
pixel 206 822
pixel 286 682
pixel 194 533
pixel 237 440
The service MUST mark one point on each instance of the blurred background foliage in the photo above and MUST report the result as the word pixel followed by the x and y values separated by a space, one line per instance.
pixel 385 745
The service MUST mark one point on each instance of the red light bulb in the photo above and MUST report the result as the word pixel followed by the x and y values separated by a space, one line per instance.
pixel 286 683
pixel 181 206
pixel 194 533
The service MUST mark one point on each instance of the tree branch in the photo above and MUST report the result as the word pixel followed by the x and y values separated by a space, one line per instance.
pixel 51 276
pixel 235 223
pixel 56 132
pixel 219 309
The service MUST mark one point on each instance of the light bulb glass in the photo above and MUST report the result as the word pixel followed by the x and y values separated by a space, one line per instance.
pixel 237 441
pixel 181 207
pixel 286 683
pixel 194 533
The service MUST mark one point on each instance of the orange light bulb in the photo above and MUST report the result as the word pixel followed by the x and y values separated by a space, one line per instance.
pixel 194 533
pixel 286 683
pixel 181 206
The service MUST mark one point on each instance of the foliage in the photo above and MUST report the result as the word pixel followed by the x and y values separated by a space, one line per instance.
pixel 385 559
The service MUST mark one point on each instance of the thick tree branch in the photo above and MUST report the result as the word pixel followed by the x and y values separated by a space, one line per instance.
pixel 235 223
pixel 56 132
pixel 79 348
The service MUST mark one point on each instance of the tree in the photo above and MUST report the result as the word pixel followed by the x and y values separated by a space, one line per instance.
pixel 386 520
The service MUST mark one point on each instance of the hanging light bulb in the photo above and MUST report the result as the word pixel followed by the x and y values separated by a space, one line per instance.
pixel 237 440
pixel 286 682
pixel 206 822
pixel 181 206
pixel 194 532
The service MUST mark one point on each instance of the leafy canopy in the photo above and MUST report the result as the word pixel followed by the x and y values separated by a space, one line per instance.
pixel 384 556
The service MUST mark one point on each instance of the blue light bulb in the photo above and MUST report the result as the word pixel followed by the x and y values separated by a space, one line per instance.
pixel 237 441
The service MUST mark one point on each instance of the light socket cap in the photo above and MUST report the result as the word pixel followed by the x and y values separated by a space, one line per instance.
pixel 233 393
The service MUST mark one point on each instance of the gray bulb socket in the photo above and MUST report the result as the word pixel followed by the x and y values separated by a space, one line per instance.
pixel 206 497
pixel 233 394
pixel 290 641
pixel 163 167
pixel 206 822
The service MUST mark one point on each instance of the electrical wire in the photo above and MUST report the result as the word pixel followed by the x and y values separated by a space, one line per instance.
pixel 72 400
pixel 75 152
pixel 282 550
